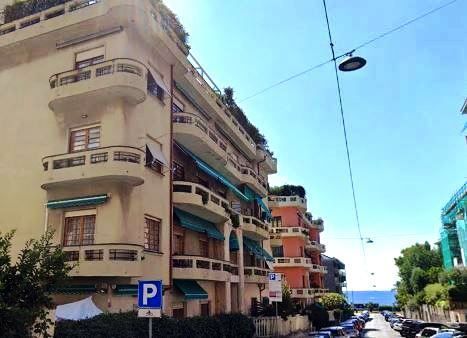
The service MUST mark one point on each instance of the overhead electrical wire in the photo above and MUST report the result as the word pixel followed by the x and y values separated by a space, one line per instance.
pixel 364 44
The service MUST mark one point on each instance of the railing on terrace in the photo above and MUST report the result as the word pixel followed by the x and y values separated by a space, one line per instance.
pixel 206 194
pixel 199 262
pixel 255 271
pixel 256 222
pixel 289 230
pixel 47 14
pixel 259 178
pixel 201 124
pixel 100 69
pixel 293 260
pixel 103 252
pixel 455 199
pixel 94 156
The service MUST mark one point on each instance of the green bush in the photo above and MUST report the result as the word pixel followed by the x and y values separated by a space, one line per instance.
pixel 122 325
pixel 22 9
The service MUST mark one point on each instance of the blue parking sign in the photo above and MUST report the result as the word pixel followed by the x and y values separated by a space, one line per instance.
pixel 150 294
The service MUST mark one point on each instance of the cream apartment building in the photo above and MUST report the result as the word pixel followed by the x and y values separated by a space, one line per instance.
pixel 116 139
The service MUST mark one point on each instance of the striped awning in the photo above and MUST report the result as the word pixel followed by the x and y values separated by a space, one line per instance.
pixel 74 289
pixel 198 224
pixel 191 289
pixel 77 202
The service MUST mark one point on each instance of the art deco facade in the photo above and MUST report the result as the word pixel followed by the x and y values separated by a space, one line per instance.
pixel 118 142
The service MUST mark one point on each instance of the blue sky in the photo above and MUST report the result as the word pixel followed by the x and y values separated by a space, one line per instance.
pixel 402 111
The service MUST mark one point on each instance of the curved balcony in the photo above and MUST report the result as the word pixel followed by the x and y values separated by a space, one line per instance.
pixel 200 201
pixel 290 231
pixel 290 262
pixel 117 163
pixel 266 161
pixel 315 246
pixel 201 268
pixel 256 275
pixel 255 228
pixel 109 260
pixel 79 89
pixel 255 181
pixel 287 201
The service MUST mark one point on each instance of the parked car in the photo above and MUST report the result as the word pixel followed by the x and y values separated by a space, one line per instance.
pixel 398 325
pixel 334 332
pixel 319 334
pixel 455 334
pixel 350 330
pixel 428 332
pixel 411 329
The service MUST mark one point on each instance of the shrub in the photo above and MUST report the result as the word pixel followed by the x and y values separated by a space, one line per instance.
pixel 120 325
pixel 22 9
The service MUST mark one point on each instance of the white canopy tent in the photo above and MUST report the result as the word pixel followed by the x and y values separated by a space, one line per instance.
pixel 81 309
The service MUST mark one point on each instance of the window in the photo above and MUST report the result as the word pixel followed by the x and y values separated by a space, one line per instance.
pixel 152 234
pixel 203 247
pixel 85 138
pixel 178 172
pixel 155 89
pixel 179 243
pixel 205 309
pixel 177 106
pixel 89 57
pixel 79 230
pixel 278 251
pixel 277 221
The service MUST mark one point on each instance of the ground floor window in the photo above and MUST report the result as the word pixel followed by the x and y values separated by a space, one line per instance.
pixel 178 312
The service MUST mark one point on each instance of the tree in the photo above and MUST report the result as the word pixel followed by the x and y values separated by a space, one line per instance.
pixel 333 301
pixel 419 265
pixel 26 283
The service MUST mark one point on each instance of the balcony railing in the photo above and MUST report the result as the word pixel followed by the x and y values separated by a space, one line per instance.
pixel 283 201
pixel 114 161
pixel 258 180
pixel 289 231
pixel 314 245
pixel 206 194
pixel 198 267
pixel 255 274
pixel 202 125
pixel 47 14
pixel 293 261
pixel 253 224
pixel 105 259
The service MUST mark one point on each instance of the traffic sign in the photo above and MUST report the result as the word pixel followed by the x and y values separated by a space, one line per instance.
pixel 275 287
pixel 150 294
pixel 149 313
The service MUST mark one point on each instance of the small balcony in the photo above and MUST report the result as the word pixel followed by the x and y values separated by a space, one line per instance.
pixel 201 268
pixel 105 260
pixel 266 161
pixel 287 201
pixel 289 232
pixel 291 262
pixel 117 163
pixel 256 275
pixel 319 269
pixel 315 246
pixel 79 89
pixel 200 201
pixel 303 293
pixel 255 181
pixel 256 228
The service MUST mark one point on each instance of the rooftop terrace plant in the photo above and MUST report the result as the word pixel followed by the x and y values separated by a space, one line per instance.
pixel 21 9
pixel 288 190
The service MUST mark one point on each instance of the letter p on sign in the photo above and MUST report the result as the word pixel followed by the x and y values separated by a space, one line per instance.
pixel 150 294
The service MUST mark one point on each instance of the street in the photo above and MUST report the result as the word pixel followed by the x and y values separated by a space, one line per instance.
pixel 379 328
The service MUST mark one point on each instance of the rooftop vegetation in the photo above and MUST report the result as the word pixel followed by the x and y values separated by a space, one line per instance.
pixel 21 9
pixel 288 190
pixel 237 112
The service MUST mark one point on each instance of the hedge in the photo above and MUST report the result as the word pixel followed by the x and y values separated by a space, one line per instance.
pixel 122 325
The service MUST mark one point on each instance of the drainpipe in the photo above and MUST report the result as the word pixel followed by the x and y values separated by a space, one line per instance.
pixel 171 177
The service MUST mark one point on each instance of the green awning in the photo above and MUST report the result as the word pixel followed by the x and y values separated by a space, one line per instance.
pixel 77 202
pixel 214 174
pixel 74 289
pixel 264 207
pixel 191 289
pixel 126 290
pixel 249 193
pixel 255 248
pixel 233 242
pixel 198 224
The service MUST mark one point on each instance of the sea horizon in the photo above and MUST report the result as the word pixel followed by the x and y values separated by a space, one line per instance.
pixel 381 297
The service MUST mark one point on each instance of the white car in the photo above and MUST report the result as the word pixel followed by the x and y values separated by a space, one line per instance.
pixel 431 331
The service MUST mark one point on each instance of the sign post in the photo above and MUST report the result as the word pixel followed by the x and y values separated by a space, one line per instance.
pixel 149 300
pixel 275 288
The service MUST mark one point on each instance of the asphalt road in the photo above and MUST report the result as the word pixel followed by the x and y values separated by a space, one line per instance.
pixel 379 328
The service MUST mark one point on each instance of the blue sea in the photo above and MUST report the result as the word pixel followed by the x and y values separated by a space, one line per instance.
pixel 364 297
